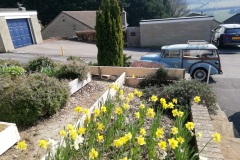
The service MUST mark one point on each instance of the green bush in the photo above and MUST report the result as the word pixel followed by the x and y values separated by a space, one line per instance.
pixel 24 99
pixel 71 58
pixel 126 60
pixel 160 77
pixel 50 71
pixel 73 69
pixel 10 63
pixel 38 63
pixel 93 63
pixel 185 91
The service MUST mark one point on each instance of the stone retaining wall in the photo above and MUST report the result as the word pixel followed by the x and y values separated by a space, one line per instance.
pixel 203 124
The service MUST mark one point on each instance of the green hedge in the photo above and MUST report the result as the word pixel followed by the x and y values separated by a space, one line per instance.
pixel 24 99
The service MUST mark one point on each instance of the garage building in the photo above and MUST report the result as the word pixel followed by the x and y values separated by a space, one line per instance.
pixel 18 28
pixel 160 32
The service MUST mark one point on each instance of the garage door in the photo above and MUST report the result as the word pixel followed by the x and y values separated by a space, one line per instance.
pixel 20 32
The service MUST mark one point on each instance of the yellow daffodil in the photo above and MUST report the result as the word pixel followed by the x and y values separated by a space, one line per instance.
pixel 70 127
pixel 150 113
pixel 115 87
pixel 85 111
pixel 42 143
pixel 119 111
pixel 130 95
pixel 63 133
pixel 171 105
pixel 127 100
pixel 142 106
pixel 180 114
pixel 97 112
pixel 100 126
pixel 124 158
pixel 190 125
pixel 199 135
pixel 174 100
pixel 73 134
pixel 165 105
pixel 124 139
pixel 129 135
pixel 162 144
pixel 121 97
pixel 118 143
pixel 175 112
pixel 162 100
pixel 142 131
pixel 121 92
pixel 21 145
pixel 103 109
pixel 133 76
pixel 126 106
pixel 180 140
pixel 93 154
pixel 81 130
pixel 174 130
pixel 78 109
pixel 154 98
pixel 217 137
pixel 100 137
pixel 159 133
pixel 87 119
pixel 137 114
pixel 197 99
pixel 173 143
pixel 141 140
pixel 135 91
pixel 111 86
pixel 139 94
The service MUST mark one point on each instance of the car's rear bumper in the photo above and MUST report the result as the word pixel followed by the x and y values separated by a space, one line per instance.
pixel 231 43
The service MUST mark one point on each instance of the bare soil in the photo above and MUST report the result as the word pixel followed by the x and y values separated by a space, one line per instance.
pixel 49 126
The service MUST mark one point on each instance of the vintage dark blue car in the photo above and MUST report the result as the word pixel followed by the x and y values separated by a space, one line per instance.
pixel 195 57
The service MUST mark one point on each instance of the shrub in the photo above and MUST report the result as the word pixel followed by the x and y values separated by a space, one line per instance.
pixel 93 63
pixel 10 63
pixel 74 69
pixel 38 63
pixel 50 71
pixel 24 99
pixel 86 35
pixel 70 58
pixel 146 64
pixel 184 91
pixel 160 77
pixel 126 60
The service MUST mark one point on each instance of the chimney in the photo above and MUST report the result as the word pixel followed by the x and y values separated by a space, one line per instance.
pixel 124 18
pixel 20 8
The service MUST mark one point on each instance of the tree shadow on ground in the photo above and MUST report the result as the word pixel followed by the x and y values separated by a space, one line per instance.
pixel 235 118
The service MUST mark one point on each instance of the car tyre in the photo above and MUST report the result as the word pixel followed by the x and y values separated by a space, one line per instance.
pixel 200 74
pixel 219 43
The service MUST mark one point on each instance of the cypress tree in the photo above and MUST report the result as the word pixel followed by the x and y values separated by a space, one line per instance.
pixel 109 38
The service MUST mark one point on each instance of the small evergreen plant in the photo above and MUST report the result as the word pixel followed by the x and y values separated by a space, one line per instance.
pixel 109 38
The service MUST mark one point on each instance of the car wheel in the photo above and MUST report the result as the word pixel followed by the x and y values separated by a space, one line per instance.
pixel 200 74
pixel 219 43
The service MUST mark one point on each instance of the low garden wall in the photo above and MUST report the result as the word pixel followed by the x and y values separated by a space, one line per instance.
pixel 203 124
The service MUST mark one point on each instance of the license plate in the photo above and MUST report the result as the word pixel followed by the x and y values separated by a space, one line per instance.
pixel 235 37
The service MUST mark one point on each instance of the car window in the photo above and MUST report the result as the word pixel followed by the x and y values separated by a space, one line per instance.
pixel 172 54
pixel 200 54
pixel 220 30
pixel 233 30
pixel 216 29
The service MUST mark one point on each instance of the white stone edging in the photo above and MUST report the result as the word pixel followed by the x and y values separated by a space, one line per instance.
pixel 8 137
pixel 108 94
pixel 76 84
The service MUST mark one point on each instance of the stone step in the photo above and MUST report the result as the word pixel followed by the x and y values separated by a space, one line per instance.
pixel 221 116
pixel 225 128
pixel 230 148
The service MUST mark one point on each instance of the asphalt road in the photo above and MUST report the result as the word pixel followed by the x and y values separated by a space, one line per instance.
pixel 226 86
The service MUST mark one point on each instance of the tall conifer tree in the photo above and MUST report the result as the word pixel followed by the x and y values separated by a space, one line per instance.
pixel 109 38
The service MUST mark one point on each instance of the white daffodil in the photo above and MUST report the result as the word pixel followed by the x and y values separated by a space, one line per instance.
pixel 202 158
pixel 79 139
